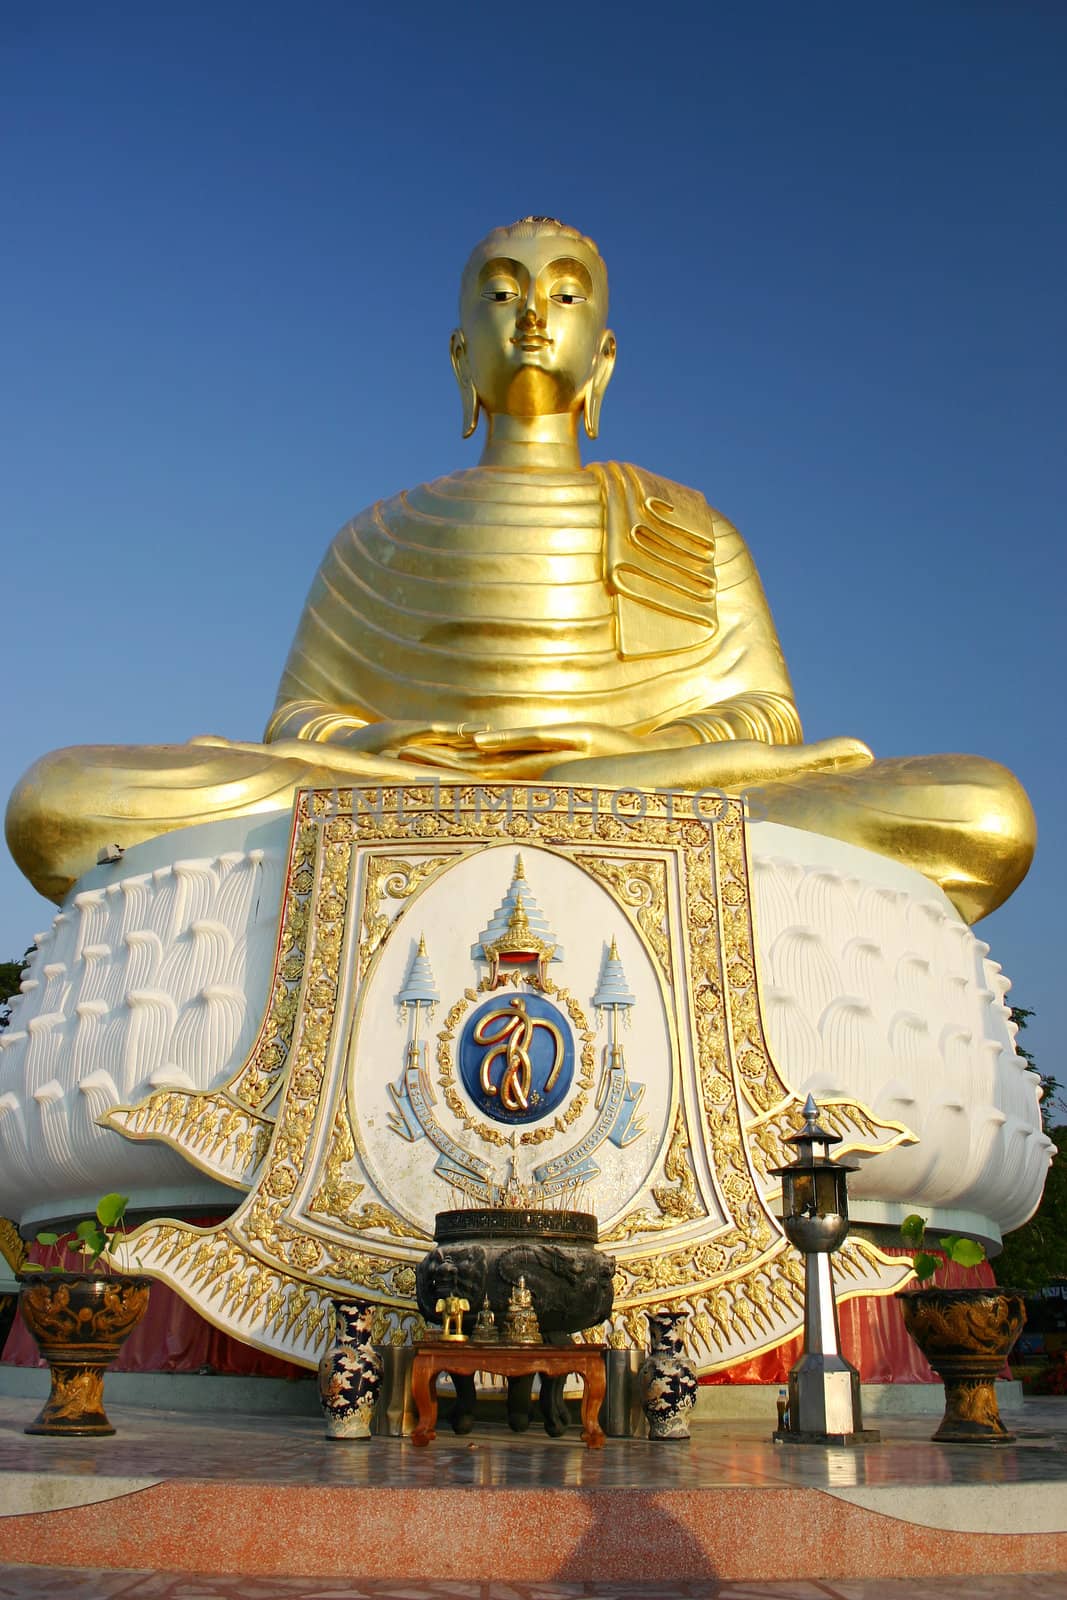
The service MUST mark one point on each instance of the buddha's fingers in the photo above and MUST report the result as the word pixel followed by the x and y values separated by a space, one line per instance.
pixel 393 737
pixel 580 738
pixel 460 734
pixel 520 741
pixel 834 755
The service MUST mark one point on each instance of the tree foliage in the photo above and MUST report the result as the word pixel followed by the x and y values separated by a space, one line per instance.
pixel 10 978
pixel 1036 1253
pixel 1050 1086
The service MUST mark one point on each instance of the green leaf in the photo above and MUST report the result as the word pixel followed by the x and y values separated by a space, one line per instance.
pixel 111 1209
pixel 48 1238
pixel 94 1244
pixel 913 1230
pixel 87 1228
pixel 965 1252
pixel 925 1266
pixel 32 1266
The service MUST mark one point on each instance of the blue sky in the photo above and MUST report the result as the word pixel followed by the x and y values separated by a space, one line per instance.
pixel 836 239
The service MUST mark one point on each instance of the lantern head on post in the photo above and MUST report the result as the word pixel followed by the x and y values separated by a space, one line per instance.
pixel 814 1189
pixel 824 1390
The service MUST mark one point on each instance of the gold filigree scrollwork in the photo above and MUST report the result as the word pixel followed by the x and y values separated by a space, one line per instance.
pixel 12 1244
pixel 373 1217
pixel 395 879
pixel 257 1080
pixel 212 1131
pixel 759 1080
pixel 336 1195
pixel 758 1309
pixel 676 1199
pixel 235 1290
pixel 858 1128
pixel 641 887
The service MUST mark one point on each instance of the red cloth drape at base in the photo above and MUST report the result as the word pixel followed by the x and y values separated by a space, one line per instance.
pixel 174 1338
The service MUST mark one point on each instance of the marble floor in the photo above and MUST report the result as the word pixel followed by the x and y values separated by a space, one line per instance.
pixel 153 1446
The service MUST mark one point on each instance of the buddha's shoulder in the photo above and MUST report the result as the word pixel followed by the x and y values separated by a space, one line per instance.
pixel 481 489
pixel 661 494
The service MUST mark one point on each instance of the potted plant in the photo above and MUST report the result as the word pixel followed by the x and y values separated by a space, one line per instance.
pixel 79 1316
pixel 965 1335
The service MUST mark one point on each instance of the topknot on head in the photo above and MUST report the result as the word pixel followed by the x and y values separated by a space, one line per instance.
pixel 530 227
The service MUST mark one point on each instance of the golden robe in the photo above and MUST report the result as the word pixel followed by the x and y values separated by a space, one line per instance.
pixel 534 599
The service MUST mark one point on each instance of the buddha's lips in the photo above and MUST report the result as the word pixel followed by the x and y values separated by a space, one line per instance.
pixel 532 341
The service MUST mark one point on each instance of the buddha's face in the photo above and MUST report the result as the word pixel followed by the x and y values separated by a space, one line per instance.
pixel 533 319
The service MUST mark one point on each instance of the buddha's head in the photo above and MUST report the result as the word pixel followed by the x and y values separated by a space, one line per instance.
pixel 533 339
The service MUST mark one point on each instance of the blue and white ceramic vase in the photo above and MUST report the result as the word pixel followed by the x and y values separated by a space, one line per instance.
pixel 350 1373
pixel 667 1379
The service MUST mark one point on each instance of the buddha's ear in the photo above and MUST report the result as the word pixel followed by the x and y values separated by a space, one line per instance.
pixel 469 394
pixel 594 394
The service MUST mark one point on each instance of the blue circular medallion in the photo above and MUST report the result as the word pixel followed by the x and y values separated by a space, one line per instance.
pixel 516 1057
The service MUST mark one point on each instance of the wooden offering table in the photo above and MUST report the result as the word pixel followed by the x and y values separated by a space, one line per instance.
pixel 507 1361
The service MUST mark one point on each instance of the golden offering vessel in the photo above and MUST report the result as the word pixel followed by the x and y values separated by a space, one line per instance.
pixel 520 1319
pixel 451 1310
pixel 533 619
pixel 485 1328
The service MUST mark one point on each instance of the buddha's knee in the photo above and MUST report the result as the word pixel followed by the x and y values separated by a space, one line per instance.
pixel 962 820
pixel 44 824
pixel 75 801
pixel 1000 832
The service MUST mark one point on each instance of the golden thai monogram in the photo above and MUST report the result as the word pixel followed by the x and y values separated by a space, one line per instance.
pixel 509 1031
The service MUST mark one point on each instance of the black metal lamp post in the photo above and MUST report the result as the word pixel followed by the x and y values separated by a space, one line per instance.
pixel 824 1390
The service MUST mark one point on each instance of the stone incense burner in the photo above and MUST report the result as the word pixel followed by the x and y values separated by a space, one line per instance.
pixel 483 1253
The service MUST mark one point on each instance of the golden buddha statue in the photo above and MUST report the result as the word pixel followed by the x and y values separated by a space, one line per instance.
pixel 533 618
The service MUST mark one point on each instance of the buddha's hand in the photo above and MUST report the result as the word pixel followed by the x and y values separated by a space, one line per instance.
pixel 415 741
pixel 527 752
pixel 732 766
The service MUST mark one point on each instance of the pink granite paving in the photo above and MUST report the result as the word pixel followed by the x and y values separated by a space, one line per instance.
pixel 65 1583
pixel 536 1536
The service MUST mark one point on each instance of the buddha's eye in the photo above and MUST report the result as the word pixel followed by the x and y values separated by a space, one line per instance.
pixel 499 293
pixel 568 297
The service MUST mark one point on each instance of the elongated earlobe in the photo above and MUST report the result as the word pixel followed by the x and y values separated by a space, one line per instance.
pixel 468 393
pixel 594 395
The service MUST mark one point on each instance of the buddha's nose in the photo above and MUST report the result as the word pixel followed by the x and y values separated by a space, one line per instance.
pixel 532 314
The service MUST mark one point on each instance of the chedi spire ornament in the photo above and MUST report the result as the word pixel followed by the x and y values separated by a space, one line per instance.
pixel 517 936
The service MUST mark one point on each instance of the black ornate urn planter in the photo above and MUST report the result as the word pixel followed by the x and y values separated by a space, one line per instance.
pixel 966 1335
pixel 79 1320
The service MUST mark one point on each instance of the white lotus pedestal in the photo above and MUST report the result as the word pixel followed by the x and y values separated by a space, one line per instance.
pixel 335 1025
